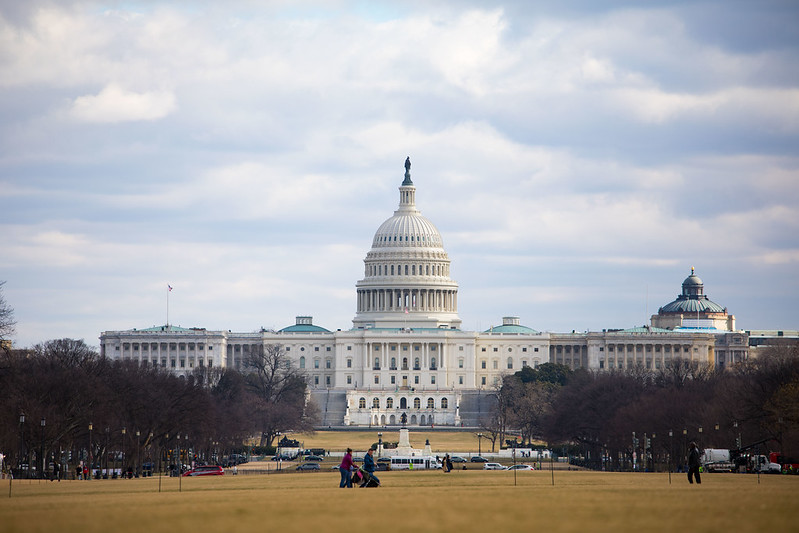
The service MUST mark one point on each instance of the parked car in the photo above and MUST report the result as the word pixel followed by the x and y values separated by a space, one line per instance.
pixel 457 459
pixel 284 457
pixel 208 470
pixel 478 459
pixel 308 466
pixel 493 466
pixel 520 467
pixel 384 460
pixel 313 458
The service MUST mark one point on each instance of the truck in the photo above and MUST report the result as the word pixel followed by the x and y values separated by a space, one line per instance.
pixel 788 465
pixel 717 460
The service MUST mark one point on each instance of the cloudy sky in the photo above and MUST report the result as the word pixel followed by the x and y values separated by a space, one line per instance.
pixel 578 160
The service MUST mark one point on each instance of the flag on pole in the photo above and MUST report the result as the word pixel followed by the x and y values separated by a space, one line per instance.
pixel 169 287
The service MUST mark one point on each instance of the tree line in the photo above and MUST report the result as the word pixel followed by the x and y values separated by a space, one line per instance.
pixel 608 418
pixel 61 401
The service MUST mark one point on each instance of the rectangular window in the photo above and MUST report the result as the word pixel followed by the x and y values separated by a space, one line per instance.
pixel 393 380
pixel 316 348
pixel 316 380
pixel 377 379
pixel 483 380
pixel 460 363
pixel 288 348
pixel 327 380
pixel 416 380
pixel 349 380
pixel 460 380
pixel 483 365
pixel 349 363
pixel 349 348
pixel 327 363
pixel 432 380
pixel 327 349
pixel 524 349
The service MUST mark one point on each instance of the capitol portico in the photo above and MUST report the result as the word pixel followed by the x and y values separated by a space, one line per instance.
pixel 406 360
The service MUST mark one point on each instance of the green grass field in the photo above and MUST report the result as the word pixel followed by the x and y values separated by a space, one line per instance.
pixel 407 502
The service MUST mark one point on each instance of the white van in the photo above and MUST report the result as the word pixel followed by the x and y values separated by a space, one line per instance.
pixel 414 462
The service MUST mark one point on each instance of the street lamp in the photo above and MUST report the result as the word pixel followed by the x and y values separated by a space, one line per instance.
pixel 90 450
pixel 21 441
pixel 479 444
pixel 138 453
pixel 107 447
pixel 122 470
pixel 379 443
pixel 41 448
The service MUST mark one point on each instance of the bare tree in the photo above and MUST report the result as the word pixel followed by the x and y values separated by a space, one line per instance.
pixel 7 322
pixel 280 392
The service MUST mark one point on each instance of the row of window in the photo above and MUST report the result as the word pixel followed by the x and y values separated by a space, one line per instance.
pixel 403 403
pixel 409 270
pixel 145 347
pixel 510 349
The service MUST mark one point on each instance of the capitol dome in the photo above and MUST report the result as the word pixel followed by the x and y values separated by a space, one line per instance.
pixel 406 276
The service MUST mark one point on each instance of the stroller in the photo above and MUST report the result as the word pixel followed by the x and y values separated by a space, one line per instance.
pixel 364 478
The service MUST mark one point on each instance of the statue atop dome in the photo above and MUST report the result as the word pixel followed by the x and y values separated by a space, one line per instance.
pixel 407 171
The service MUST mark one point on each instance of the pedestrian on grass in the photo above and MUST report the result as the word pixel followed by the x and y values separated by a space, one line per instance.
pixel 693 463
pixel 345 468
pixel 369 466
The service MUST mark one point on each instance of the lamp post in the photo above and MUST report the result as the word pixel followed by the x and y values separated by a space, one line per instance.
pixel 699 444
pixel 90 450
pixel 479 444
pixel 107 448
pixel 671 451
pixel 122 470
pixel 41 447
pixel 379 443
pixel 21 441
pixel 138 453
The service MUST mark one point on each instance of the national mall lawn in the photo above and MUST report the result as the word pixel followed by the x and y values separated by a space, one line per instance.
pixel 408 501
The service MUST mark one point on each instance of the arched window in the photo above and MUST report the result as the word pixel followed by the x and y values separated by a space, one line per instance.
pixel 302 362
pixel 392 270
pixel 393 363
pixel 389 403
pixel 444 403
pixel 413 269
pixel 377 363
pixel 405 363
pixel 432 363
pixel 375 403
pixel 431 403
pixel 403 403
pixel 416 364
pixel 362 403
pixel 510 363
pixel 417 403
pixel 406 270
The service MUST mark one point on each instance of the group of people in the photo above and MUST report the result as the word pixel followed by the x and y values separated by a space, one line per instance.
pixel 347 469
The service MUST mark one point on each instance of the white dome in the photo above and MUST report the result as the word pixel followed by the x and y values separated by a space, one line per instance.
pixel 407 230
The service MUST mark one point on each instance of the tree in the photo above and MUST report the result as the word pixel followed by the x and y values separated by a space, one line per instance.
pixel 7 322
pixel 279 392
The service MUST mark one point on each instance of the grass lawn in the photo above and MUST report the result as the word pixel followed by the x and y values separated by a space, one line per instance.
pixel 461 501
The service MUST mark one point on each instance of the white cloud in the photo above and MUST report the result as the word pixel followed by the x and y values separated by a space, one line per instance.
pixel 114 104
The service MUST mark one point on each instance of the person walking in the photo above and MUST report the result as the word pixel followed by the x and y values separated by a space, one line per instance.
pixel 369 466
pixel 693 463
pixel 345 468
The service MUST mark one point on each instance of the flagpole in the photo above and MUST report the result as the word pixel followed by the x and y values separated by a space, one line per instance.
pixel 168 290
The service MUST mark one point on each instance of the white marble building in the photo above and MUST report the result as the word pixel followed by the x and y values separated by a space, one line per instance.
pixel 405 357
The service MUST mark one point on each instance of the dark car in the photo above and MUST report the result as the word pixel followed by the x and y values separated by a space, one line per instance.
pixel 314 458
pixel 308 466
pixel 478 459
pixel 457 459
pixel 384 460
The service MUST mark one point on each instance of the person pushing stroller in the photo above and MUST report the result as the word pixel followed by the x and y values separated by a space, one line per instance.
pixel 368 469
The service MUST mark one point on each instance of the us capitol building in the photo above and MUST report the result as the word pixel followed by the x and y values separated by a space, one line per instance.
pixel 406 359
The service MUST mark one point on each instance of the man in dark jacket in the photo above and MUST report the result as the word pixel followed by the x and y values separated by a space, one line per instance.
pixel 693 463
pixel 369 466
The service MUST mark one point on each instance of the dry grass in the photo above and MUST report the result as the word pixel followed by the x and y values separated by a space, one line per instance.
pixel 408 501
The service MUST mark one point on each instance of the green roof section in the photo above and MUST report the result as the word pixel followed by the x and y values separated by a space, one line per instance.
pixel 304 324
pixel 168 328
pixel 304 328
pixel 514 329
